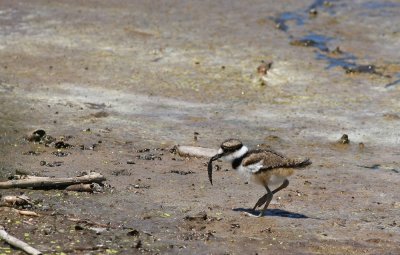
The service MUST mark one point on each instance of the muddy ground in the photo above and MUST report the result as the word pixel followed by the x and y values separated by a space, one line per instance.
pixel 124 81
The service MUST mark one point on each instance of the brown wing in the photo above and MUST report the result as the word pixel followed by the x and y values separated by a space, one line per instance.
pixel 252 157
pixel 271 159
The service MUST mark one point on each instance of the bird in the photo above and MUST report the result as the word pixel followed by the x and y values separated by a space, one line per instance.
pixel 263 166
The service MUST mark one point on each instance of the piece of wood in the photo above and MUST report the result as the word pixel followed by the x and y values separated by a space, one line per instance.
pixel 11 200
pixel 13 241
pixel 193 151
pixel 50 182
pixel 27 213
pixel 80 187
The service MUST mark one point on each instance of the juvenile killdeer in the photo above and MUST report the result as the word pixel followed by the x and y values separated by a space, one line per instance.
pixel 265 167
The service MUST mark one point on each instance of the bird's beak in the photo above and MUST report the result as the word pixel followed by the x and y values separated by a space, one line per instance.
pixel 215 157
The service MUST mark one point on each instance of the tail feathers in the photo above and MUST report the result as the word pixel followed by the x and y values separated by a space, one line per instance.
pixel 300 162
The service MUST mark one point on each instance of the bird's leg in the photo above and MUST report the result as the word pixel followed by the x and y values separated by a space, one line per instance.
pixel 284 185
pixel 268 198
pixel 261 201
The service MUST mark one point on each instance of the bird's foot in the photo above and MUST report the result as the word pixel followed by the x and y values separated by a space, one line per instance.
pixel 254 215
pixel 261 201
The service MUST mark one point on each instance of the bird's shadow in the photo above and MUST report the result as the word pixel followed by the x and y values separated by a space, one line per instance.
pixel 273 212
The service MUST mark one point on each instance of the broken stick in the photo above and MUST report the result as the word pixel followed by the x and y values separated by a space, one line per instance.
pixel 50 182
pixel 13 241
pixel 192 151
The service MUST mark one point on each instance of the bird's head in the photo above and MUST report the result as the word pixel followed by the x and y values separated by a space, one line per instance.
pixel 230 150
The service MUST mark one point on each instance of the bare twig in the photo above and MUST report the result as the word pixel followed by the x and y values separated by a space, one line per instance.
pixel 49 182
pixel 13 241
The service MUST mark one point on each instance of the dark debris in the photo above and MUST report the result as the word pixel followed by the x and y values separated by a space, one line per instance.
pixel 182 172
pixel 60 153
pixel 371 69
pixel 344 139
pixel 62 145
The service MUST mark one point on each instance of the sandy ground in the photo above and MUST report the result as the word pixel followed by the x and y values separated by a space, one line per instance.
pixel 125 81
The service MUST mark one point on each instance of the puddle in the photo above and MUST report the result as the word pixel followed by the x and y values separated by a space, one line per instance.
pixel 325 6
pixel 346 60
pixel 313 40
pixel 301 16
pixel 283 18
pixel 334 58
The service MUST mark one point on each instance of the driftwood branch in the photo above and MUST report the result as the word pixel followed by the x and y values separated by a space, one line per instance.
pixel 192 151
pixel 14 200
pixel 17 243
pixel 50 182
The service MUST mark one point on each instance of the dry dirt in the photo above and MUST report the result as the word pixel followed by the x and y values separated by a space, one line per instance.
pixel 124 81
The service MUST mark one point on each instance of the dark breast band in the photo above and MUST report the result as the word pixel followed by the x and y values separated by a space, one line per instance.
pixel 236 162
